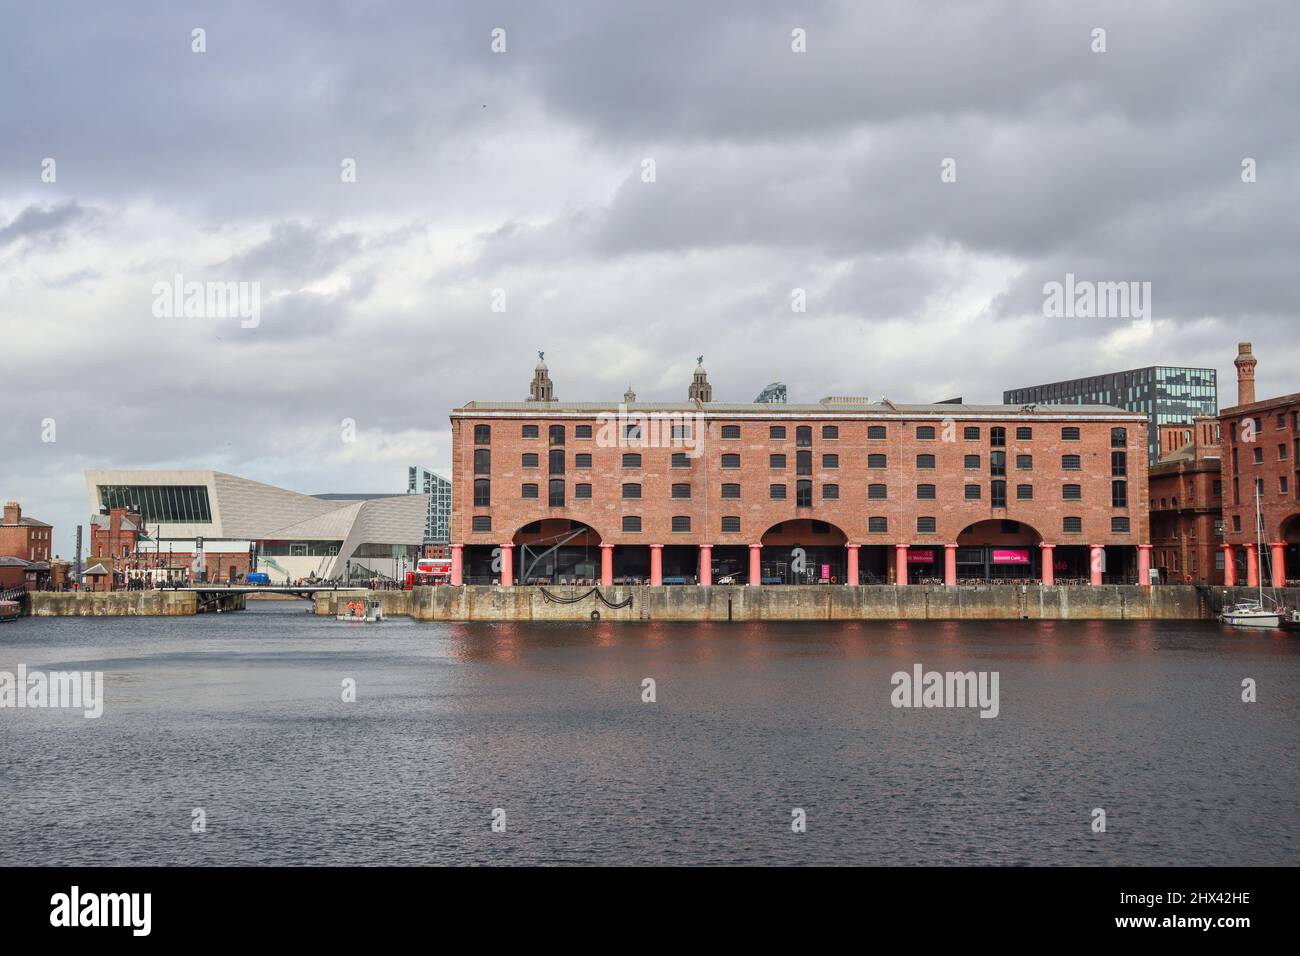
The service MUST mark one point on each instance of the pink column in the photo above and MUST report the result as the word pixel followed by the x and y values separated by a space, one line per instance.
pixel 1094 563
pixel 1279 563
pixel 1144 565
pixel 507 564
pixel 950 565
pixel 706 565
pixel 1229 566
pixel 755 564
pixel 457 569
pixel 1049 564
pixel 851 575
pixel 607 565
pixel 656 565
pixel 900 564
pixel 1252 566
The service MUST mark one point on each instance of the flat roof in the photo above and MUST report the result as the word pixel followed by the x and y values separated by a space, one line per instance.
pixel 836 409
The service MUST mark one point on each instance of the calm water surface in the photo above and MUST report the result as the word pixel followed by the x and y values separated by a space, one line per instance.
pixel 241 714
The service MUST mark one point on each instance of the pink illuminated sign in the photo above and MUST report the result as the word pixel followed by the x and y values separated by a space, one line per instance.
pixel 920 556
pixel 1010 556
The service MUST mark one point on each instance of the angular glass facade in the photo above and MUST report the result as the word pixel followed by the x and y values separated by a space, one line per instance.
pixel 1166 395
pixel 170 504
pixel 437 526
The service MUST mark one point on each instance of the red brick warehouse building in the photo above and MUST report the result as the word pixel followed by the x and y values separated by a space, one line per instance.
pixel 1261 440
pixel 841 491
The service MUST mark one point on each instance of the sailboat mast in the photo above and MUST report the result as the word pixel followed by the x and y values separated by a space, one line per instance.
pixel 1259 539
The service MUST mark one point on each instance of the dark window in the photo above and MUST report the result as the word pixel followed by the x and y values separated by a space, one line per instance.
pixel 1119 438
pixel 1025 462
pixel 556 458
pixel 530 431
pixel 582 460
pixel 1071 462
pixel 730 490
pixel 830 461
pixel 1119 494
pixel 776 431
pixel 557 493
pixel 1025 492
pixel 731 524
pixel 876 461
pixel 529 490
pixel 631 523
pixel 1119 525
pixel 877 492
pixel 925 525
pixel 557 434
pixel 481 523
pixel 581 431
pixel 878 525
pixel 830 432
pixel 681 522
pixel 730 431
pixel 776 492
pixel 876 432
pixel 530 459
pixel 582 490
pixel 998 437
pixel 776 461
pixel 997 463
pixel 972 462
pixel 682 431
pixel 973 493
pixel 925 461
pixel 925 432
pixel 631 459
pixel 998 493
pixel 971 433
pixel 1070 433
pixel 631 489
pixel 681 459
pixel 925 491
pixel 803 493
pixel 681 490
pixel 1072 525
pixel 482 461
pixel 1071 492
pixel 730 461
pixel 482 434
pixel 830 492
pixel 803 463
pixel 803 436
pixel 1024 433
pixel 1118 464
pixel 482 493
pixel 631 431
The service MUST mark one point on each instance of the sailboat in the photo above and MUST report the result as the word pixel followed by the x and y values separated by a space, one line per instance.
pixel 1254 613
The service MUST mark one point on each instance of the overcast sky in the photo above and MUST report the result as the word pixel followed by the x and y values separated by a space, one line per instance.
pixel 524 171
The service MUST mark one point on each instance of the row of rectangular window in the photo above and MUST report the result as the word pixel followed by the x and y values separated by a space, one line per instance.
pixel 803 433
pixel 803 492
pixel 803 464
pixel 876 524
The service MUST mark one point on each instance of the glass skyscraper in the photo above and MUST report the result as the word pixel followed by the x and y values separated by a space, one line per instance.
pixel 437 526
pixel 1166 395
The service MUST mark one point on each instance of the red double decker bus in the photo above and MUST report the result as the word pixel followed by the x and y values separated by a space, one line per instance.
pixel 429 571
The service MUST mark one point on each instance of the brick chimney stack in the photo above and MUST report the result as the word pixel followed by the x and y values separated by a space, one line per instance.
pixel 13 513
pixel 1245 374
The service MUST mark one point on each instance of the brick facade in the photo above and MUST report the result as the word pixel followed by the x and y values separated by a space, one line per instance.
pixel 514 443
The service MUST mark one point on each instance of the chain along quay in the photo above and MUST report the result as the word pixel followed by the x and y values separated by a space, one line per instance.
pixel 675 603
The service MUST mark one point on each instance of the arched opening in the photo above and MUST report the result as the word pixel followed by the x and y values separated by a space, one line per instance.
pixel 803 551
pixel 557 551
pixel 1289 533
pixel 997 550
